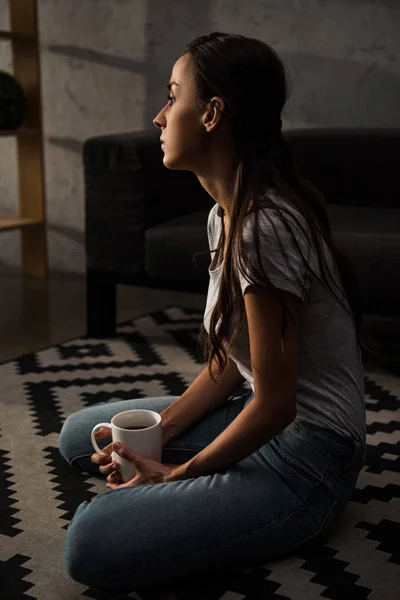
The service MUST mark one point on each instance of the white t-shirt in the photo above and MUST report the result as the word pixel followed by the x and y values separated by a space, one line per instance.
pixel 330 390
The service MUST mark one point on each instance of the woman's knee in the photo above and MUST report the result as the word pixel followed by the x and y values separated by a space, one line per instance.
pixel 79 552
pixel 65 439
pixel 95 546
pixel 73 435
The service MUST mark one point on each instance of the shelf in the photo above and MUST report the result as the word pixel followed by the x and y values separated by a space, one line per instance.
pixel 19 131
pixel 17 37
pixel 16 222
pixel 23 38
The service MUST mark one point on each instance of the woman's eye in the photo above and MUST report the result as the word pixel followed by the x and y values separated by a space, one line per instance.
pixel 170 98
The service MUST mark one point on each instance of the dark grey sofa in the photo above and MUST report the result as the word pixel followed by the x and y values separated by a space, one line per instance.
pixel 144 222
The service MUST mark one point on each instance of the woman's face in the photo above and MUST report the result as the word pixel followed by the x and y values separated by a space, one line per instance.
pixel 181 123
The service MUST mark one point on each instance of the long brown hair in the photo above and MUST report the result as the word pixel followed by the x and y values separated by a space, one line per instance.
pixel 251 79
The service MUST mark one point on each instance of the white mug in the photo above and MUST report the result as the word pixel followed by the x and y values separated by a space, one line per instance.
pixel 146 441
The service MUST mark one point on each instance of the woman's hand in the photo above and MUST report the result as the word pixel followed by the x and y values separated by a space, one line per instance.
pixel 101 459
pixel 148 471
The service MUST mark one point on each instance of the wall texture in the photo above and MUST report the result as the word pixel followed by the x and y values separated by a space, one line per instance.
pixel 105 65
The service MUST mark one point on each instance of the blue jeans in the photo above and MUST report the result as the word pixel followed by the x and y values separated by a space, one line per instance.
pixel 285 496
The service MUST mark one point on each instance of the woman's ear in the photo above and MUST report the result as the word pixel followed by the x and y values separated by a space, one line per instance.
pixel 213 114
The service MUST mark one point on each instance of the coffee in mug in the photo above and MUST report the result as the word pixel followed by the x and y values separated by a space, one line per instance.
pixel 138 429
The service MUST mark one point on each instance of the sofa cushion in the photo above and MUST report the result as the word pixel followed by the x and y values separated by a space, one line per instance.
pixel 367 231
pixel 170 246
pixel 369 235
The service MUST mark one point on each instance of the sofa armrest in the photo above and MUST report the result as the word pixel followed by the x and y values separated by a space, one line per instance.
pixel 127 190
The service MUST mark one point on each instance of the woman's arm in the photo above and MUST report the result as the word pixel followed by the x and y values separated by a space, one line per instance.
pixel 275 380
pixel 200 398
pixel 251 429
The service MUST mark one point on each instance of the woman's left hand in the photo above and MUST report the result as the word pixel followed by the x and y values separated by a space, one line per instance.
pixel 148 471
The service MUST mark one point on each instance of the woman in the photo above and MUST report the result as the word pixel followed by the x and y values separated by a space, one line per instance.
pixel 258 475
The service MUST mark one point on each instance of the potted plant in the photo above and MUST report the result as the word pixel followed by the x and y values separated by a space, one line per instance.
pixel 12 102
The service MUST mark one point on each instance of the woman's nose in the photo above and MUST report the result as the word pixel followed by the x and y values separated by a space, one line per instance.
pixel 158 120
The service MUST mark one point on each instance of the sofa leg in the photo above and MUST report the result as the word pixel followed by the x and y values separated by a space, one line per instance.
pixel 101 301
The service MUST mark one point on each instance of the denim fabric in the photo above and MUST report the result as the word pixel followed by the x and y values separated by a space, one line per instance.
pixel 287 495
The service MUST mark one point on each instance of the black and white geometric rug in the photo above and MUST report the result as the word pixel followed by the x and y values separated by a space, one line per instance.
pixel 157 355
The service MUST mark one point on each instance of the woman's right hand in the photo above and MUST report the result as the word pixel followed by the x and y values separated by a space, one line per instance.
pixel 106 465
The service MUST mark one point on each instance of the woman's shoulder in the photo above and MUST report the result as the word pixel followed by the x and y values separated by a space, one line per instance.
pixel 277 217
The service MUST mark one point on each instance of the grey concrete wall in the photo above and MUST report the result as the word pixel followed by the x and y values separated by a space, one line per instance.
pixel 105 65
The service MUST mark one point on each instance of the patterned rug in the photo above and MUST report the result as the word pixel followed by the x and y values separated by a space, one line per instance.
pixel 156 355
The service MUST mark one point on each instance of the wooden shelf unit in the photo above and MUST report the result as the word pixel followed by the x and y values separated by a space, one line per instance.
pixel 18 37
pixel 16 222
pixel 31 220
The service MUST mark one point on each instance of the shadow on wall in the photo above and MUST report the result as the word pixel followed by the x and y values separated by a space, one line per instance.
pixel 72 233
pixel 101 58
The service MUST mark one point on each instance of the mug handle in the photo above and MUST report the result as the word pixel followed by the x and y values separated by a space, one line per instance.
pixel 94 443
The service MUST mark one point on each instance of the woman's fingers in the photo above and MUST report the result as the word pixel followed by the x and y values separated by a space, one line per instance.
pixel 114 477
pixel 101 459
pixel 102 432
pixel 110 468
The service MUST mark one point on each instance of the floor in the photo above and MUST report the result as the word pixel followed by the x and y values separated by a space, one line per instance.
pixel 37 313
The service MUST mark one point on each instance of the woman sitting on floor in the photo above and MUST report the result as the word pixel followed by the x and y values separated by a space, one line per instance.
pixel 258 475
